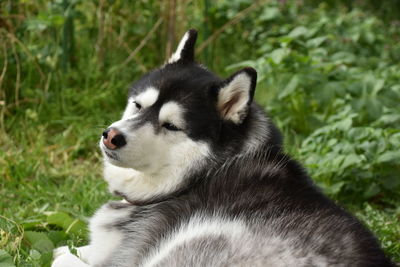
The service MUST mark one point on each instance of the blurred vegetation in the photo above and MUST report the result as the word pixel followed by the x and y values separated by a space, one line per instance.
pixel 329 76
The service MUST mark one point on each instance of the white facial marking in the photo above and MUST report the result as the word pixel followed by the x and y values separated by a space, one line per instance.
pixel 145 99
pixel 165 161
pixel 171 112
pixel 152 163
pixel 148 97
pixel 233 98
pixel 130 109
pixel 177 55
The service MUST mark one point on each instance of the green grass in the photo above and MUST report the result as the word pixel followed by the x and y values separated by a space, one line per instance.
pixel 329 77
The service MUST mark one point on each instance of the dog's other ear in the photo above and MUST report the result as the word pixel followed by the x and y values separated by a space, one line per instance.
pixel 185 50
pixel 235 95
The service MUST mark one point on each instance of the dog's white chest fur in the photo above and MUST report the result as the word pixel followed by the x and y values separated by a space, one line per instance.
pixel 104 237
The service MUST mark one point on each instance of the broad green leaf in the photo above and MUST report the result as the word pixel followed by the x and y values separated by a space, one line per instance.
pixel 351 160
pixel 335 188
pixel 5 259
pixel 39 241
pixel 29 224
pixel 372 190
pixel 69 224
pixel 279 54
pixel 389 156
pixel 345 124
pixel 290 87
pixel 57 237
pixel 46 258
pixel 270 13
pixel 337 161
pixel 34 254
pixel 298 31
pixel 332 142
pixel 343 57
pixel 316 42
pixel 390 118
pixel 378 86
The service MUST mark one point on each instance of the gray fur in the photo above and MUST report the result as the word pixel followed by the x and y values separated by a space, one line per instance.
pixel 234 199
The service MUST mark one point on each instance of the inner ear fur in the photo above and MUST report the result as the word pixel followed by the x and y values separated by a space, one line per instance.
pixel 235 95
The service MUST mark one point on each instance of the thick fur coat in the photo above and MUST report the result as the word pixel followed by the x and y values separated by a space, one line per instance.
pixel 205 182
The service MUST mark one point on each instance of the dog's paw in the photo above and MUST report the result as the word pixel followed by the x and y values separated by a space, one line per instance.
pixel 64 258
pixel 60 251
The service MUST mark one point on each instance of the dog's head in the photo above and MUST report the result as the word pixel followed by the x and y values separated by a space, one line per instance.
pixel 177 118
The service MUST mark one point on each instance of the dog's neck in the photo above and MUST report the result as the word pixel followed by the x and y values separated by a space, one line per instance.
pixel 141 188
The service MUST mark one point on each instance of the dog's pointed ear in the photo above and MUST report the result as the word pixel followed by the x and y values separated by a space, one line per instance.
pixel 185 50
pixel 235 95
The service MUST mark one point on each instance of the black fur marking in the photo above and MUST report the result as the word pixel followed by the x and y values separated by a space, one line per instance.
pixel 187 53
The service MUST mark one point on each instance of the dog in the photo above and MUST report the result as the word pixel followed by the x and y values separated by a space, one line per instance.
pixel 205 182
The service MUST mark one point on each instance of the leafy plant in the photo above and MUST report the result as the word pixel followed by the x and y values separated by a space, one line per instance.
pixel 329 77
pixel 340 90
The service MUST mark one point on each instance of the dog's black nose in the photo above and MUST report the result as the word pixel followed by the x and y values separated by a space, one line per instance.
pixel 113 139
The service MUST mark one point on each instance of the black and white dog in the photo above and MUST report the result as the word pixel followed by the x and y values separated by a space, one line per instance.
pixel 205 183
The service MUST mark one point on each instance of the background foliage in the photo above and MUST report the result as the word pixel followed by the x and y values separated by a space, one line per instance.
pixel 329 77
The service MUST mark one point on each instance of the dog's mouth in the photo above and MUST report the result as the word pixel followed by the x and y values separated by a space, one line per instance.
pixel 111 155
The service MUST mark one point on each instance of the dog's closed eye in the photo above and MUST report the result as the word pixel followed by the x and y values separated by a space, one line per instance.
pixel 138 106
pixel 170 127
